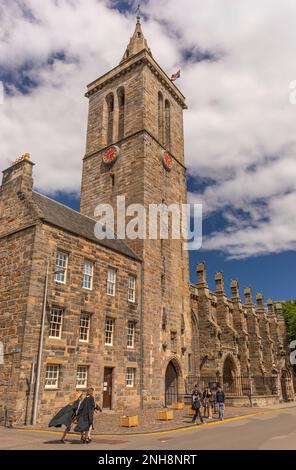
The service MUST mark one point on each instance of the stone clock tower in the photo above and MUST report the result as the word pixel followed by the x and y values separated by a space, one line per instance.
pixel 136 118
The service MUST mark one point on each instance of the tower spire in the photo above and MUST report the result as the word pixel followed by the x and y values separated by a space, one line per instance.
pixel 138 41
pixel 138 12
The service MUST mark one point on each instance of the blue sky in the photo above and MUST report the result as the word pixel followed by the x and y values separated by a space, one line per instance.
pixel 237 61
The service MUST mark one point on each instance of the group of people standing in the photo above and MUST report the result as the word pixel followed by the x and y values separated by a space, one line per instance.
pixel 210 402
pixel 79 412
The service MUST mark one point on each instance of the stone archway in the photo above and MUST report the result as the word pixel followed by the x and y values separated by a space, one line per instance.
pixel 230 378
pixel 172 383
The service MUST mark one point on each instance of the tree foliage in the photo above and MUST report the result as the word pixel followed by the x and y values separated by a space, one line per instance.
pixel 289 311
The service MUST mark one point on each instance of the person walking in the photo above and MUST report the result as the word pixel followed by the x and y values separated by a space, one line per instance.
pixel 220 400
pixel 85 416
pixel 196 406
pixel 67 415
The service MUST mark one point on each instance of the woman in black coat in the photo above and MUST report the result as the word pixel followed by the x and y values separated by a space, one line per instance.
pixel 85 416
pixel 67 415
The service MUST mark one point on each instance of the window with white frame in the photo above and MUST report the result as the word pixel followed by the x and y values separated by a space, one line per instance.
pixel 88 271
pixel 111 282
pixel 82 377
pixel 131 289
pixel 52 376
pixel 56 323
pixel 109 329
pixel 130 377
pixel 61 267
pixel 131 334
pixel 84 328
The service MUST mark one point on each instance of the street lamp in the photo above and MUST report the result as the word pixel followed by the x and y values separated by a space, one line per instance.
pixel 41 342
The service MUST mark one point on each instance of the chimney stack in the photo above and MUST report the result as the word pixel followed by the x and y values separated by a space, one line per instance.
pixel 19 176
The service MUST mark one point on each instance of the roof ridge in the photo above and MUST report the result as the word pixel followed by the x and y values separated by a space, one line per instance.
pixel 64 205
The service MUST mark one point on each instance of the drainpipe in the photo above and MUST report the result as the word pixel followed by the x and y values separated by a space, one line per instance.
pixel 142 339
pixel 40 351
pixel 30 391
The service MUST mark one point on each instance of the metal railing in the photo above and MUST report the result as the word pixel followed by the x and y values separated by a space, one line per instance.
pixel 242 385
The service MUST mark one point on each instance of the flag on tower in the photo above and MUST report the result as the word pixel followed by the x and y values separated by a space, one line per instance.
pixel 176 75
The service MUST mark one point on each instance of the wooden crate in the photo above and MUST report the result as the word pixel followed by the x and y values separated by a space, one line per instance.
pixel 178 406
pixel 165 415
pixel 129 421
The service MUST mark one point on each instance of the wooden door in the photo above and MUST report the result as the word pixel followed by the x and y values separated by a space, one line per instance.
pixel 107 388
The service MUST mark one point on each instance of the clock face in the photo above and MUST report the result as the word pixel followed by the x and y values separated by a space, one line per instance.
pixel 111 155
pixel 167 160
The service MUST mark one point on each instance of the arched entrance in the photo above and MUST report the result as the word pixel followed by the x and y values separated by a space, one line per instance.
pixel 171 384
pixel 229 376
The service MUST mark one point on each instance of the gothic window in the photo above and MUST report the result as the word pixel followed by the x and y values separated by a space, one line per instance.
pixel 110 117
pixel 160 118
pixel 167 124
pixel 121 112
pixel 174 341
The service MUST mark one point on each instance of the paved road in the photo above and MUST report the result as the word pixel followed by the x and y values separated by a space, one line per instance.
pixel 274 429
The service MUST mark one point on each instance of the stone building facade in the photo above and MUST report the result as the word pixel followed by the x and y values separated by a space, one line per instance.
pixel 121 315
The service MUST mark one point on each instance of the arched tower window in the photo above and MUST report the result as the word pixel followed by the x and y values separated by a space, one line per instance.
pixel 160 118
pixel 167 142
pixel 121 112
pixel 110 118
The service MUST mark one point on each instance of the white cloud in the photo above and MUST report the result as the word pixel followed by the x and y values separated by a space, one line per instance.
pixel 240 126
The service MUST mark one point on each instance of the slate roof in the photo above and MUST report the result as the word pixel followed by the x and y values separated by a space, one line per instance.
pixel 72 221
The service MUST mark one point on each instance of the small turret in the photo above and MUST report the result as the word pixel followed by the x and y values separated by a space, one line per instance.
pixel 201 275
pixel 248 296
pixel 219 280
pixel 270 307
pixel 260 301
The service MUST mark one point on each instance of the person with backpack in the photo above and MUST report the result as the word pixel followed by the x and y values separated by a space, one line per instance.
pixel 196 406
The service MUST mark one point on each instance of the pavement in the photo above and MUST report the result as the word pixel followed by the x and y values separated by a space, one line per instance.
pixel 108 422
pixel 269 429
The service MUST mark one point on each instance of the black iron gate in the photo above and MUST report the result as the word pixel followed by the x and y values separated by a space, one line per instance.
pixel 171 385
